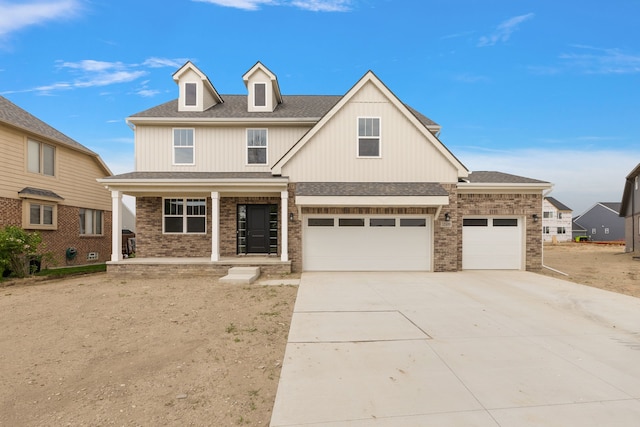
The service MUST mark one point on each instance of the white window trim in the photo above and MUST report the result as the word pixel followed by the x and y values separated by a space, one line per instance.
pixel 379 156
pixel 93 222
pixel 184 216
pixel 185 95
pixel 266 147
pixel 173 147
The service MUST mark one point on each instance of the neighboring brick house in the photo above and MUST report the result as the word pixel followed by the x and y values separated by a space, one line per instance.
pixel 312 182
pixel 48 184
pixel 556 221
pixel 630 211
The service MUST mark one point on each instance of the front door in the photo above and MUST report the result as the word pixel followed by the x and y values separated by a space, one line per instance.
pixel 258 229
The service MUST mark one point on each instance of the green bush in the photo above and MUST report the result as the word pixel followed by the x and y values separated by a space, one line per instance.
pixel 17 249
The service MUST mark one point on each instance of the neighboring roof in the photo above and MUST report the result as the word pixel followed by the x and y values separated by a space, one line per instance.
pixel 491 177
pixel 191 175
pixel 39 193
pixel 628 188
pixel 614 206
pixel 15 116
pixel 370 189
pixel 577 227
pixel 557 204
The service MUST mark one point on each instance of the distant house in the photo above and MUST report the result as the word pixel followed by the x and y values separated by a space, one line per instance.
pixel 556 221
pixel 602 222
pixel 577 230
pixel 630 211
pixel 48 184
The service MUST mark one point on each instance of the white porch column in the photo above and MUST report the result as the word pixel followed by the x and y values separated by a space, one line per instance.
pixel 116 225
pixel 215 226
pixel 284 225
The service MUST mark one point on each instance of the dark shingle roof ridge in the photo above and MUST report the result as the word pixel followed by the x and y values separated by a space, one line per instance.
pixel 559 205
pixel 13 115
pixel 615 206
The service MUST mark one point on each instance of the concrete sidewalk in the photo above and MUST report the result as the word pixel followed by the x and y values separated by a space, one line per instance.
pixel 472 348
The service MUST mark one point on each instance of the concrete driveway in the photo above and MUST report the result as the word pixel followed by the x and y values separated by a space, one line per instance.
pixel 473 348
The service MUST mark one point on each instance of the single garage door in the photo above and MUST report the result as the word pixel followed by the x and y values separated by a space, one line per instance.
pixel 364 243
pixel 492 243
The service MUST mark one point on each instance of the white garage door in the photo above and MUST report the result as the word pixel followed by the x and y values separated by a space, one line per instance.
pixel 366 243
pixel 492 243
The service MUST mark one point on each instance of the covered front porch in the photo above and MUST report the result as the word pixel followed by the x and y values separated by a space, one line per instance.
pixel 202 223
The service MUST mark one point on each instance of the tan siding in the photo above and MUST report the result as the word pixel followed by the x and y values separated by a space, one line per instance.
pixel 75 179
pixel 219 149
pixel 407 155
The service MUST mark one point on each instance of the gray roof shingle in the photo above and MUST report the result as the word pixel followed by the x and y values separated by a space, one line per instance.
pixel 557 204
pixel 39 192
pixel 370 189
pixel 492 177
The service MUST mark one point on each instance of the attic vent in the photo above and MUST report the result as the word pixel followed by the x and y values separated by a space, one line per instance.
pixel 92 256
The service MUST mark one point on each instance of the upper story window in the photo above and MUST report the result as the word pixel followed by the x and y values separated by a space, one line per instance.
pixel 636 180
pixel 260 94
pixel 559 215
pixel 41 158
pixel 91 222
pixel 185 216
pixel 368 137
pixel 183 147
pixel 190 92
pixel 257 146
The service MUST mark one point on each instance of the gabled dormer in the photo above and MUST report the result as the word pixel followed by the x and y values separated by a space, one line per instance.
pixel 263 89
pixel 196 91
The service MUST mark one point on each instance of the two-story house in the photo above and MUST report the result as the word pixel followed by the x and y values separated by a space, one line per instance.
pixel 556 221
pixel 630 210
pixel 602 222
pixel 48 184
pixel 313 182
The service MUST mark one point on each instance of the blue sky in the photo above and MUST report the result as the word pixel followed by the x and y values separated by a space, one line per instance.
pixel 539 88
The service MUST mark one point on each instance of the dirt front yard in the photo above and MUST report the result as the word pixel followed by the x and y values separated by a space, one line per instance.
pixel 599 265
pixel 99 351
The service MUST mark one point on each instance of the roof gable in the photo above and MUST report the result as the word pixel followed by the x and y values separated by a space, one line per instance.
pixel 207 95
pixel 371 78
pixel 261 75
pixel 557 204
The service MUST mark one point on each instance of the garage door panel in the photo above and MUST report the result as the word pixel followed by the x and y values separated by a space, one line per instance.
pixel 367 248
pixel 492 247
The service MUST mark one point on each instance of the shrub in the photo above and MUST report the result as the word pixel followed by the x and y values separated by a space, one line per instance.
pixel 17 249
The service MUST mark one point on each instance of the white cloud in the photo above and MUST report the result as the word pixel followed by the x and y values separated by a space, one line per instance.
pixel 164 62
pixel 581 178
pixel 504 31
pixel 595 60
pixel 312 5
pixel 15 16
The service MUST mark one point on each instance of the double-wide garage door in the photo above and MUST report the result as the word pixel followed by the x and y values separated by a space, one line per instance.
pixel 366 243
pixel 492 243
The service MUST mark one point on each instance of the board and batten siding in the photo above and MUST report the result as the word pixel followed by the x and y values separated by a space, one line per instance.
pixel 219 149
pixel 75 179
pixel 406 154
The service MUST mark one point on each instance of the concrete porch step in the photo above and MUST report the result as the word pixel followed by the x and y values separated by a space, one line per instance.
pixel 241 275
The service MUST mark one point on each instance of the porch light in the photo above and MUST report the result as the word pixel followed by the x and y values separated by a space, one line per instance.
pixel 535 217
pixel 290 216
pixel 447 216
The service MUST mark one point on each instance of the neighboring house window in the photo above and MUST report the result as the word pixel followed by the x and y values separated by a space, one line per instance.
pixel 41 215
pixel 91 221
pixel 257 146
pixel 368 137
pixel 40 158
pixel 183 147
pixel 606 231
pixel 260 95
pixel 547 214
pixel 190 91
pixel 562 230
pixel 636 180
pixel 545 229
pixel 559 215
pixel 593 231
pixel 185 215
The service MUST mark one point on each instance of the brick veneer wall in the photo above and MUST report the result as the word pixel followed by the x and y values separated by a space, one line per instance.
pixel 507 204
pixel 150 242
pixel 446 235
pixel 67 235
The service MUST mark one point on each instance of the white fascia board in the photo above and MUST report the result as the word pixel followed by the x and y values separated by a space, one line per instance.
pixel 221 121
pixel 467 187
pixel 372 200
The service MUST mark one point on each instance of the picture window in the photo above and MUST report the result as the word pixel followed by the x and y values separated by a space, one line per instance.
pixel 185 215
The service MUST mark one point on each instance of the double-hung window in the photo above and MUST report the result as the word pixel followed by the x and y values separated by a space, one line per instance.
pixel 41 158
pixel 256 146
pixel 91 222
pixel 183 147
pixel 185 215
pixel 368 137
